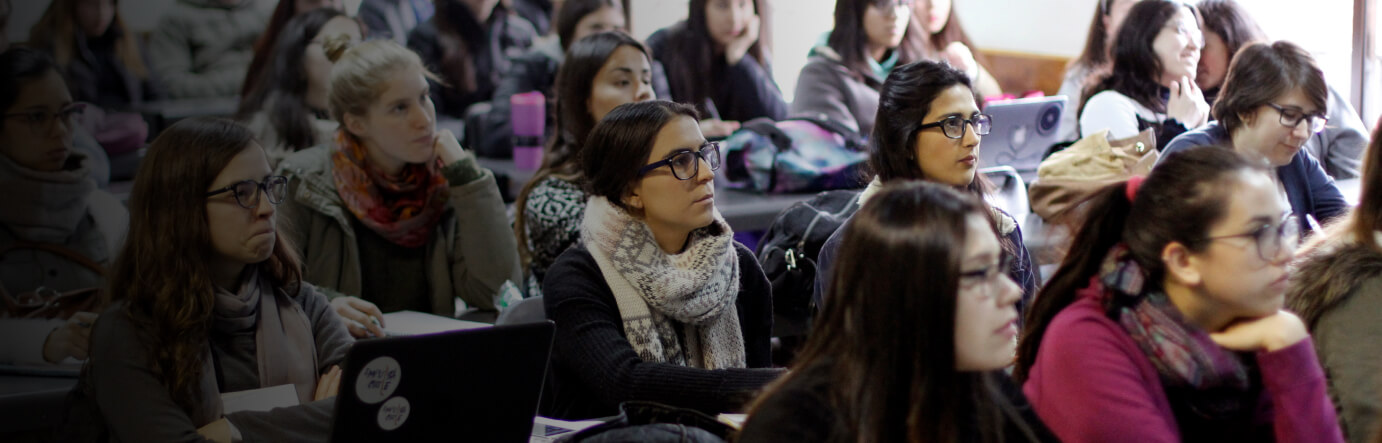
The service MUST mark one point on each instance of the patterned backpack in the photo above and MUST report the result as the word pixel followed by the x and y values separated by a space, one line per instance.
pixel 793 155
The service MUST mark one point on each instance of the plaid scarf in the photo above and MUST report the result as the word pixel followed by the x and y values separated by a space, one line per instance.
pixel 402 209
pixel 1213 382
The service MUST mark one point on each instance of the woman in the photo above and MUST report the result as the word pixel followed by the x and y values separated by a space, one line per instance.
pixel 1151 82
pixel 1336 287
pixel 715 59
pixel 289 112
pixel 269 39
pixel 948 42
pixel 208 301
pixel 393 214
pixel 57 230
pixel 868 374
pixel 471 44
pixel 841 79
pixel 100 58
pixel 1273 100
pixel 928 128
pixel 1228 28
pixel 1168 324
pixel 604 71
pixel 1093 60
pixel 657 302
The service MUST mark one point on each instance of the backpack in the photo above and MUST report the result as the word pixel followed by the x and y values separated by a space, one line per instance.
pixel 788 251
pixel 793 155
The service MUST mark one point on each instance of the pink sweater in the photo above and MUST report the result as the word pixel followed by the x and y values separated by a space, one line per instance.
pixel 1092 383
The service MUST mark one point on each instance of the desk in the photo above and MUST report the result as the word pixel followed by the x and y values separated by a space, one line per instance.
pixel 745 211
pixel 30 403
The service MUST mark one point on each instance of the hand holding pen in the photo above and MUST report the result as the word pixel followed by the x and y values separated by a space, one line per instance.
pixel 362 318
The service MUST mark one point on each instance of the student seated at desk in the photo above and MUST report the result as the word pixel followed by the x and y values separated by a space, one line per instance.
pixel 841 78
pixel 657 302
pixel 949 43
pixel 209 300
pixel 202 48
pixel 929 128
pixel 470 44
pixel 604 71
pixel 1273 100
pixel 392 214
pixel 716 60
pixel 57 230
pixel 288 111
pixel 1165 323
pixel 901 355
pixel 285 12
pixel 1227 29
pixel 1151 83
pixel 1092 61
pixel 102 60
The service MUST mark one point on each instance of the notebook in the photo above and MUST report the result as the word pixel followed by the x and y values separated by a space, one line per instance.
pixel 467 385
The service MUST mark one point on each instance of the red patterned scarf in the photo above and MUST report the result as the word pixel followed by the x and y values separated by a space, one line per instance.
pixel 402 209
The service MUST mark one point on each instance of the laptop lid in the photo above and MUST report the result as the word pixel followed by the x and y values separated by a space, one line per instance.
pixel 1023 129
pixel 468 385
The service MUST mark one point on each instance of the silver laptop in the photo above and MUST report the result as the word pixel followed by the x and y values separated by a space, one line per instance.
pixel 1023 129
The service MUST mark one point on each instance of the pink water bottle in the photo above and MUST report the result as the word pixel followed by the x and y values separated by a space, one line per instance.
pixel 528 114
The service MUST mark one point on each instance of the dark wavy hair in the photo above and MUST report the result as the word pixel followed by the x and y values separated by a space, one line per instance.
pixel 461 35
pixel 1182 198
pixel 1228 20
pixel 575 81
pixel 850 40
pixel 285 82
pixel 690 51
pixel 283 13
pixel 1262 72
pixel 162 273
pixel 625 137
pixel 1136 68
pixel 572 11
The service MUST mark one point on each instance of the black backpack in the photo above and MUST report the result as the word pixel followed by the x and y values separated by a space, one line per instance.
pixel 788 252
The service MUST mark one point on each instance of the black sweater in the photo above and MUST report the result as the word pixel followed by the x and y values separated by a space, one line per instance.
pixel 594 368
pixel 741 92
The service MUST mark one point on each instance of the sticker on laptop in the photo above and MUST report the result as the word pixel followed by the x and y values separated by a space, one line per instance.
pixel 394 413
pixel 378 380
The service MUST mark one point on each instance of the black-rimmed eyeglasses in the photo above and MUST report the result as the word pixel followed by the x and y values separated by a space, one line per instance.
pixel 1271 237
pixel 954 126
pixel 40 121
pixel 247 192
pixel 1291 116
pixel 685 164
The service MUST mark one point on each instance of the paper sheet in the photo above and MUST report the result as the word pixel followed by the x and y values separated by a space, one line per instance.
pixel 262 399
pixel 418 323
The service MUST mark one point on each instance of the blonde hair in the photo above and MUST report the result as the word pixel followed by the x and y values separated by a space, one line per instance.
pixel 358 78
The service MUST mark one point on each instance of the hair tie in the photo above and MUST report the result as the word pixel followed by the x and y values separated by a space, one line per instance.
pixel 1133 184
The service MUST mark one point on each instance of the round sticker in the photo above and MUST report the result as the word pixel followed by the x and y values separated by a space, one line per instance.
pixel 378 380
pixel 393 413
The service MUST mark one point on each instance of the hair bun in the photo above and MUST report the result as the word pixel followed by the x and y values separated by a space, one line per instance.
pixel 335 46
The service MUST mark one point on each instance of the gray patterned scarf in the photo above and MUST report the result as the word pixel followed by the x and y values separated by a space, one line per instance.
pixel 656 292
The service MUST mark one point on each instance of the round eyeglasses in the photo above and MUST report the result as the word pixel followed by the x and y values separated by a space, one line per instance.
pixel 247 192
pixel 1271 238
pixel 954 126
pixel 41 121
pixel 685 163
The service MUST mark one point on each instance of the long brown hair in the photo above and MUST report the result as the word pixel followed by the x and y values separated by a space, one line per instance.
pixel 889 381
pixel 1179 202
pixel 58 27
pixel 575 80
pixel 1136 68
pixel 850 38
pixel 461 35
pixel 162 273
pixel 1096 53
pixel 689 54
pixel 952 32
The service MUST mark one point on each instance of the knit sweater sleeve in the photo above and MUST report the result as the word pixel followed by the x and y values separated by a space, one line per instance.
pixel 591 347
pixel 1302 411
pixel 1090 382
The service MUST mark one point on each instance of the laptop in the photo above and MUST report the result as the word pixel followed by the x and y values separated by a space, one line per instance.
pixel 1023 129
pixel 467 385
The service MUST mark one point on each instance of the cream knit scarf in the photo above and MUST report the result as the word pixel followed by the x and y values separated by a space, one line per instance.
pixel 657 293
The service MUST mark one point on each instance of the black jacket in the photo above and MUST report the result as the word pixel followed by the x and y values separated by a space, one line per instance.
pixel 507 36
pixel 742 92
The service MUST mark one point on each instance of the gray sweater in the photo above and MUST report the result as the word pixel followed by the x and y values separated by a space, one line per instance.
pixel 201 48
pixel 828 90
pixel 135 405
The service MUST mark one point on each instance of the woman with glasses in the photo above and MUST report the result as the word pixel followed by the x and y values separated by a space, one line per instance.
pixel 1165 321
pixel 1151 83
pixel 900 355
pixel 1273 100
pixel 287 110
pixel 841 78
pixel 601 72
pixel 657 302
pixel 57 230
pixel 392 214
pixel 947 41
pixel 1227 28
pixel 208 300
pixel 928 128
pixel 1337 290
